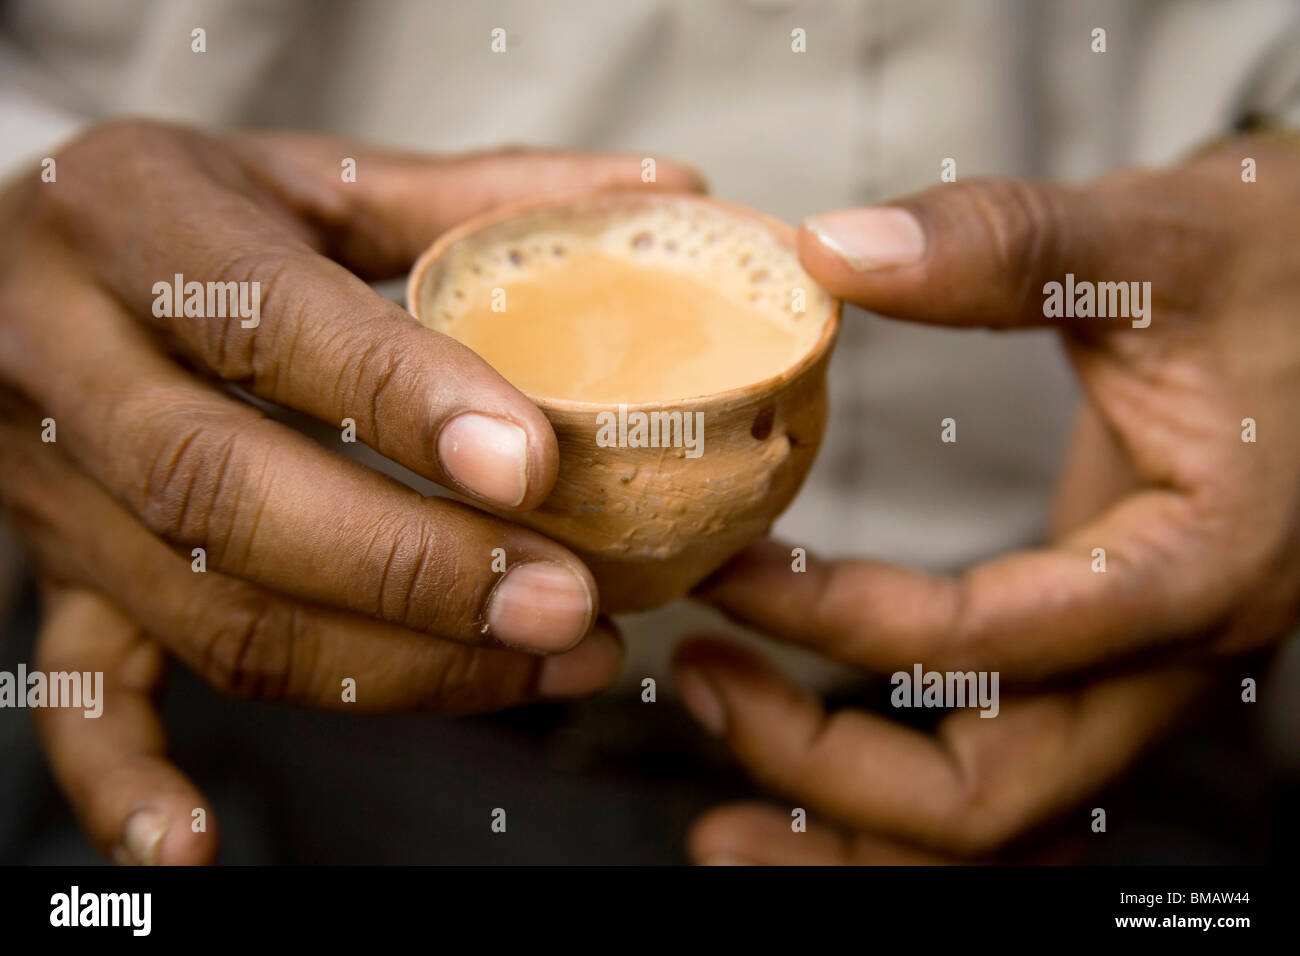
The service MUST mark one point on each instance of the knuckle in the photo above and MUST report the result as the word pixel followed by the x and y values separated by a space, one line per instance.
pixel 248 652
pixel 401 555
pixel 1014 216
pixel 374 378
pixel 194 477
pixel 1023 225
pixel 222 341
pixel 408 576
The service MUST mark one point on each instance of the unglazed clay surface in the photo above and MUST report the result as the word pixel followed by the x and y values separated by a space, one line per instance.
pixel 652 522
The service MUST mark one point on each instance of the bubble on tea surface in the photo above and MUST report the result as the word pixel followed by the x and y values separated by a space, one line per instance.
pixel 737 258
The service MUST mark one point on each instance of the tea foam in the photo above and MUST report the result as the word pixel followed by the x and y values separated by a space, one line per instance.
pixel 637 304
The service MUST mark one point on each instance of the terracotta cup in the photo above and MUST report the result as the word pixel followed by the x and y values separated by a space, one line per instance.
pixel 651 523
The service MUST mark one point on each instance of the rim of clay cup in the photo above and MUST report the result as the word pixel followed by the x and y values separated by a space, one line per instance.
pixel 784 232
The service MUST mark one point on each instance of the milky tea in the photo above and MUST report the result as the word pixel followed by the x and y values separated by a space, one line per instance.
pixel 619 305
pixel 679 352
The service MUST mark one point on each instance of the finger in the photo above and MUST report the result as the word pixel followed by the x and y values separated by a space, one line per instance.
pixel 289 324
pixel 968 789
pixel 133 802
pixel 268 505
pixel 251 642
pixel 981 252
pixel 400 202
pixel 1031 614
pixel 324 343
pixel 751 834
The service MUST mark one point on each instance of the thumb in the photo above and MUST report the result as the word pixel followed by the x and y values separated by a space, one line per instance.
pixel 976 253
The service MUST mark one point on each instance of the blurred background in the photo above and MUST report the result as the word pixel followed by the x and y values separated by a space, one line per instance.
pixel 885 92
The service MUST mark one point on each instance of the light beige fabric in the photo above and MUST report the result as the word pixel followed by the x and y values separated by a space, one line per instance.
pixel 886 90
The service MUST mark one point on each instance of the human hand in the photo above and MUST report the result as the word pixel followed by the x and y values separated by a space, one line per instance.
pixel 1202 556
pixel 1198 526
pixel 972 789
pixel 317 568
pixel 891 794
pixel 282 521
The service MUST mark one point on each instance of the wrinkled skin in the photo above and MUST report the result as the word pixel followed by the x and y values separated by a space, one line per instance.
pixel 318 569
pixel 1199 527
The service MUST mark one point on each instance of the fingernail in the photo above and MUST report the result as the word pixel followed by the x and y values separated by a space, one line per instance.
pixel 142 837
pixel 879 237
pixel 587 668
pixel 486 455
pixel 701 700
pixel 542 606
